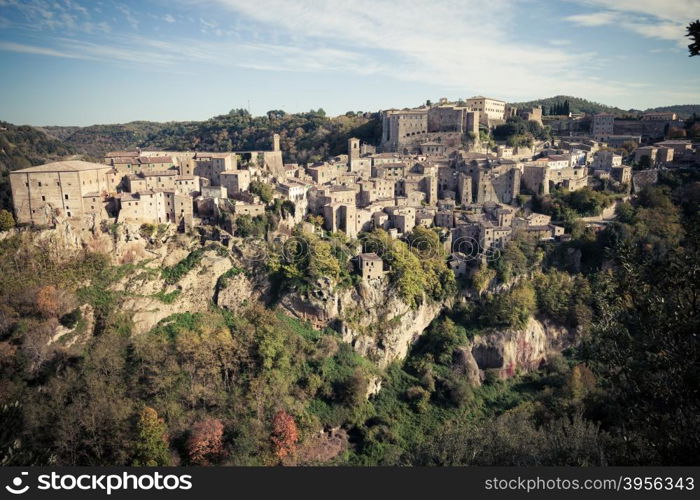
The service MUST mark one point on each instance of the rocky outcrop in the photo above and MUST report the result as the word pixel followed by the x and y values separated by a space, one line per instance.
pixel 508 352
pixel 237 293
pixel 371 318
pixel 193 293
pixel 124 243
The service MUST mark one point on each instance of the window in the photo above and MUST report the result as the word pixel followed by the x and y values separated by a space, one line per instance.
pixel 66 196
pixel 39 183
pixel 43 198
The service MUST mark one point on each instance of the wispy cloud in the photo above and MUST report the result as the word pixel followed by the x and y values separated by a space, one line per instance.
pixel 54 16
pixel 660 19
pixel 594 19
pixel 129 16
pixel 464 45
pixel 461 47
pixel 31 49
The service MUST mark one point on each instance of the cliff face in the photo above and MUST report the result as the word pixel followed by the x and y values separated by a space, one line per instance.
pixel 380 326
pixel 373 319
pixel 510 351
pixel 124 243
pixel 193 293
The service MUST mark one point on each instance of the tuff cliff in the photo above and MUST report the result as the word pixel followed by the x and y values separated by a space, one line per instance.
pixel 372 318
pixel 381 327
pixel 510 351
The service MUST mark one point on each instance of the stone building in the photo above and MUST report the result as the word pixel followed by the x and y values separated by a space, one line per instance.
pixel 602 125
pixel 622 174
pixel 492 109
pixel 235 181
pixel 401 128
pixel 448 118
pixel 659 116
pixel 533 114
pixel 134 162
pixel 339 216
pixel 376 189
pixel 293 190
pixel 323 173
pixel 542 179
pixel 606 160
pixel 371 266
pixel 156 207
pixel 64 188
pixel 498 184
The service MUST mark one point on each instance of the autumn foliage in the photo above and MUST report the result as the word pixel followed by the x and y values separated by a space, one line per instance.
pixel 205 442
pixel 284 434
pixel 47 301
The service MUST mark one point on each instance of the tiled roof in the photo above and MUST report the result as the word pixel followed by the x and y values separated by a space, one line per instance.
pixel 64 166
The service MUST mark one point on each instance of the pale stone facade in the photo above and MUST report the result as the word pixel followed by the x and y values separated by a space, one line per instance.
pixel 64 188
pixel 493 109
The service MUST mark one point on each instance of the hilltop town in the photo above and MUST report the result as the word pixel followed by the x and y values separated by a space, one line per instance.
pixel 440 165
pixel 469 283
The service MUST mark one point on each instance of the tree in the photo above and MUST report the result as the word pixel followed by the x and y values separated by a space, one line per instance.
pixel 7 222
pixel 152 440
pixel 284 434
pixel 644 162
pixel 694 34
pixel 643 348
pixel 47 301
pixel 580 382
pixel 204 444
pixel 264 191
pixel 676 133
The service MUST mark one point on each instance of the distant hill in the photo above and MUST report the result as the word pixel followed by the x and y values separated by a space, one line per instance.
pixel 95 140
pixel 576 105
pixel 24 146
pixel 683 110
pixel 304 137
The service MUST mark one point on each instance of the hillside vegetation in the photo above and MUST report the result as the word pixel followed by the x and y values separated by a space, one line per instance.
pixel 579 105
pixel 80 385
pixel 96 140
pixel 310 136
pixel 576 105
pixel 683 110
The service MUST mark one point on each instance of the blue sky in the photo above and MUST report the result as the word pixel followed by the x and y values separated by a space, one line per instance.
pixel 80 62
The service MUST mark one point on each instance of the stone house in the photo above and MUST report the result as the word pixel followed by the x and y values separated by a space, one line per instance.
pixel 63 188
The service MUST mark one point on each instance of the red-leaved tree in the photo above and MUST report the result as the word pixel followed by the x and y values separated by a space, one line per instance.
pixel 284 434
pixel 205 442
pixel 47 301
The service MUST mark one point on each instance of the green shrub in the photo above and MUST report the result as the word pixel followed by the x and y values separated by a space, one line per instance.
pixel 69 320
pixel 172 274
